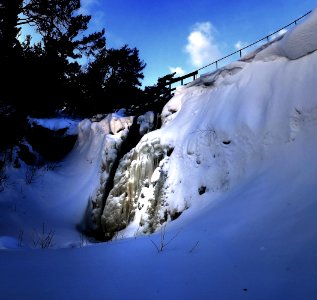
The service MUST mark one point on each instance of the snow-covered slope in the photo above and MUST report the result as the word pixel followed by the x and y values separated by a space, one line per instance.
pixel 234 164
pixel 56 195
pixel 216 132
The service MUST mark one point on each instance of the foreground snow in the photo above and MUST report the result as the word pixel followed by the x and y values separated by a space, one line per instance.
pixel 256 242
pixel 242 172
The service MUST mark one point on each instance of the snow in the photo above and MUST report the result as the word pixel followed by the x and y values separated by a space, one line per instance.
pixel 57 195
pixel 57 124
pixel 146 122
pixel 295 43
pixel 237 147
pixel 302 39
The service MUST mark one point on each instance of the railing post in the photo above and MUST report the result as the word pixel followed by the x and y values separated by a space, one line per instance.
pixel 216 64
pixel 240 51
pixel 295 22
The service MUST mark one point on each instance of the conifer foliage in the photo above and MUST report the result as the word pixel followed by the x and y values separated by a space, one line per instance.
pixel 50 74
pixel 59 67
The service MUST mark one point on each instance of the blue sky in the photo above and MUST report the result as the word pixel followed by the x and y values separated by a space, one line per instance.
pixel 186 34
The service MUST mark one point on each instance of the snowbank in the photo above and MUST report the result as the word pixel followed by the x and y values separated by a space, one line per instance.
pixel 295 43
pixel 56 196
pixel 57 124
pixel 302 39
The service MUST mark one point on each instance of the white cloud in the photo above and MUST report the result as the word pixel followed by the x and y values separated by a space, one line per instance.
pixel 201 45
pixel 178 70
pixel 239 45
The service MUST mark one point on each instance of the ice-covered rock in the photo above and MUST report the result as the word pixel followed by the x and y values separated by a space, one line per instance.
pixel 137 195
pixel 101 141
pixel 146 122
pixel 96 137
pixel 115 133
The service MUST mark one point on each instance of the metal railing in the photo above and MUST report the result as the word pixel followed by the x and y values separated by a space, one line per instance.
pixel 194 74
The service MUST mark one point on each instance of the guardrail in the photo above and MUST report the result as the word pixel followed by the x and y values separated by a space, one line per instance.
pixel 181 79
pixel 194 74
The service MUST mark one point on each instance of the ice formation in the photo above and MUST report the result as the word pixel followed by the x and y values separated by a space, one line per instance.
pixel 116 130
pixel 137 195
pixel 106 137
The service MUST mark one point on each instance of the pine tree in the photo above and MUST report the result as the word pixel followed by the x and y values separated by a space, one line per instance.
pixel 63 42
pixel 123 79
pixel 10 49
pixel 11 58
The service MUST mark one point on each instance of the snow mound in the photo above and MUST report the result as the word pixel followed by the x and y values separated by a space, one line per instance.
pixel 295 43
pixel 8 242
pixel 302 39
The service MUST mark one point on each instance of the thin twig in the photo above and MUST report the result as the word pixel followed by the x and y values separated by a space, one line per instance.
pixel 194 247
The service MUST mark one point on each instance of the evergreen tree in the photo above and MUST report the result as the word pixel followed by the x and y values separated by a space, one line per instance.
pixel 63 40
pixel 113 79
pixel 10 49
pixel 11 121
pixel 123 79
pixel 48 74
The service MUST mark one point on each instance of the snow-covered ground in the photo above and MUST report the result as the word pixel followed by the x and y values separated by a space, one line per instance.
pixel 241 166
